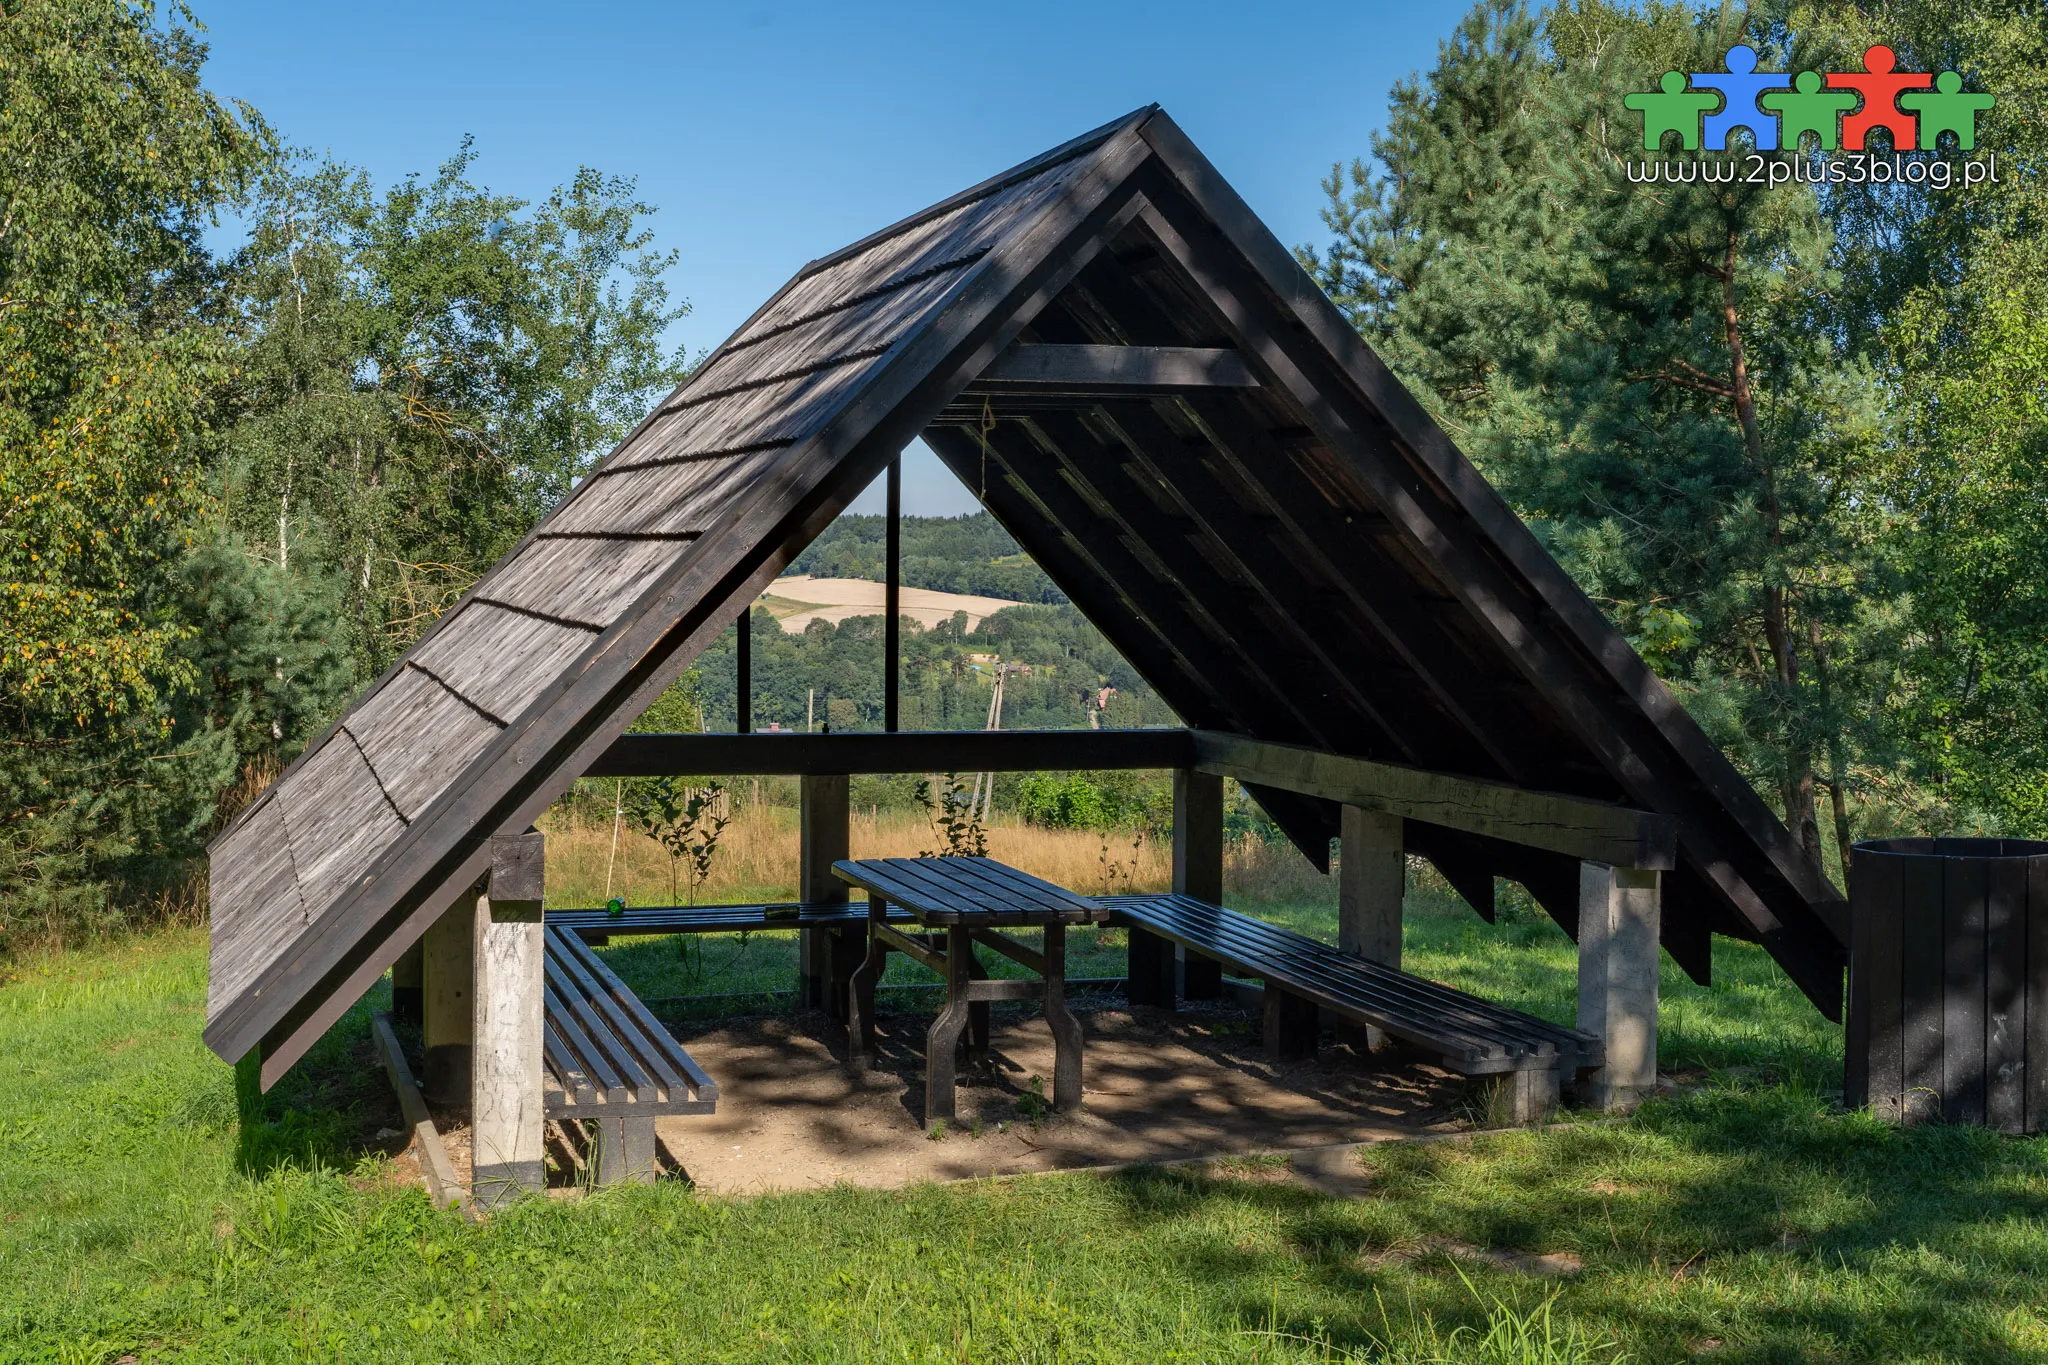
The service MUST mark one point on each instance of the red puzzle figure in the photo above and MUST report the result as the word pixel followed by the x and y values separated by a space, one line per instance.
pixel 1880 90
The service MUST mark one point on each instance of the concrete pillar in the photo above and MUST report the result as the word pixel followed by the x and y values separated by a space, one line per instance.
pixel 825 837
pixel 448 1002
pixel 1198 867
pixel 1371 877
pixel 1619 915
pixel 507 1120
pixel 406 1001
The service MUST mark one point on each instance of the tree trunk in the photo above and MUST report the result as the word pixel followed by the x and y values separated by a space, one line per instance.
pixel 1796 785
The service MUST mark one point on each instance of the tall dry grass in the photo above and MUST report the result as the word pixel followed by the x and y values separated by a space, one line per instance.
pixel 757 859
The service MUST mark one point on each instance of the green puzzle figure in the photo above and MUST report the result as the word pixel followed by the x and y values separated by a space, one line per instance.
pixel 1676 110
pixel 1811 110
pixel 1946 109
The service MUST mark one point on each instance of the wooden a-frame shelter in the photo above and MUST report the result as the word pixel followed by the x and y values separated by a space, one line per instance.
pixel 1155 399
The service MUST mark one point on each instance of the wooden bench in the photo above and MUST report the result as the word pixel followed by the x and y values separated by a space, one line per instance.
pixel 1465 1034
pixel 596 925
pixel 609 1062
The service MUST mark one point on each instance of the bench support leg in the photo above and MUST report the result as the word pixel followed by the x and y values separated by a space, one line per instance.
pixel 448 1002
pixel 624 1150
pixel 1066 1029
pixel 507 1117
pixel 860 994
pixel 977 1010
pixel 1522 1098
pixel 1149 979
pixel 1201 977
pixel 939 1060
pixel 1290 1026
pixel 1619 916
pixel 824 839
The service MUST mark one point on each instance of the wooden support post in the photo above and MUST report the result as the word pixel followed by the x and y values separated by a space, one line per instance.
pixel 448 1002
pixel 1290 1026
pixel 406 976
pixel 892 582
pixel 1619 916
pixel 1372 876
pixel 506 1115
pixel 1198 867
pixel 824 838
pixel 860 991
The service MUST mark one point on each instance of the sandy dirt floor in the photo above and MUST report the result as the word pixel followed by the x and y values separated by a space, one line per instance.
pixel 1157 1087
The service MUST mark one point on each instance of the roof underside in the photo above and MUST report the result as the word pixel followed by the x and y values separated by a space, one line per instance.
pixel 1307 561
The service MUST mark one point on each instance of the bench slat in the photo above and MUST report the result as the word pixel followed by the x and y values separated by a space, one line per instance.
pixel 634 1022
pixel 1492 1030
pixel 1473 1034
pixel 1486 1031
pixel 597 922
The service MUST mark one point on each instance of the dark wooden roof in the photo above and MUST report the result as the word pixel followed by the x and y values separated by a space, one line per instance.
pixel 1308 560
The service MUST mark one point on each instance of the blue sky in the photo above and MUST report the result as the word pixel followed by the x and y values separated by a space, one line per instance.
pixel 771 134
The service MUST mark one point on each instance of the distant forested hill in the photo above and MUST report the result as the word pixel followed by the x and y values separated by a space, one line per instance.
pixel 948 554
pixel 947 674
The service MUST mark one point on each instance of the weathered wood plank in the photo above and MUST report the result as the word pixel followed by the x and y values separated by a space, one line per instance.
pixel 1591 830
pixel 500 660
pixel 253 904
pixel 417 735
pixel 337 819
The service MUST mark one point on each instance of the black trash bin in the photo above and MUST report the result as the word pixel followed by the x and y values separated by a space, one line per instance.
pixel 1948 981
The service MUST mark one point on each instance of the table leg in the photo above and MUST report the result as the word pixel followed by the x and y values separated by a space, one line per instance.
pixel 860 995
pixel 946 1030
pixel 1066 1029
pixel 977 1011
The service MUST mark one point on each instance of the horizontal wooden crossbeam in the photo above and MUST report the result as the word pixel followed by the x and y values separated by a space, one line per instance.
pixel 1591 830
pixel 910 751
pixel 1029 367
pixel 1575 825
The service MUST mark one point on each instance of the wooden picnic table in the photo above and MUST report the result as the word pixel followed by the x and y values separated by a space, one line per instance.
pixel 968 900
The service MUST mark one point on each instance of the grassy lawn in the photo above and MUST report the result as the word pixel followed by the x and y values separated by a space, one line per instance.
pixel 1747 1221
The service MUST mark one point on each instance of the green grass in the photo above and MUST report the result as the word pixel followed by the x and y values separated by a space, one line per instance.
pixel 1751 1221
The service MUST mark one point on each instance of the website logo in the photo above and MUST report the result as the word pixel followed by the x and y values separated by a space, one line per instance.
pixel 1839 110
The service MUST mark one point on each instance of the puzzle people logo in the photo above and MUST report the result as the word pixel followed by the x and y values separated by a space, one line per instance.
pixel 1840 109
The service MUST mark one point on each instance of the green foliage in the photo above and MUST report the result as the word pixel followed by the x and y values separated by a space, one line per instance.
pixel 970 554
pixel 947 674
pixel 955 816
pixel 686 821
pixel 430 370
pixel 112 375
pixel 1681 388
pixel 1108 800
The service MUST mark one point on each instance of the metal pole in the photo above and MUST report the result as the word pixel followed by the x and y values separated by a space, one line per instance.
pixel 892 579
pixel 743 683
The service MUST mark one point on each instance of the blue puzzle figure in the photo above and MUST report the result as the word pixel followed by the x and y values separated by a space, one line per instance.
pixel 1739 89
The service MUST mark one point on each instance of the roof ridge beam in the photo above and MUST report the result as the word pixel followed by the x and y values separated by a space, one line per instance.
pixel 1037 367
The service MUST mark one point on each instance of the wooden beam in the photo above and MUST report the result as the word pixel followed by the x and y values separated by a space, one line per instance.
pixel 1584 829
pixel 912 751
pixel 1093 369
